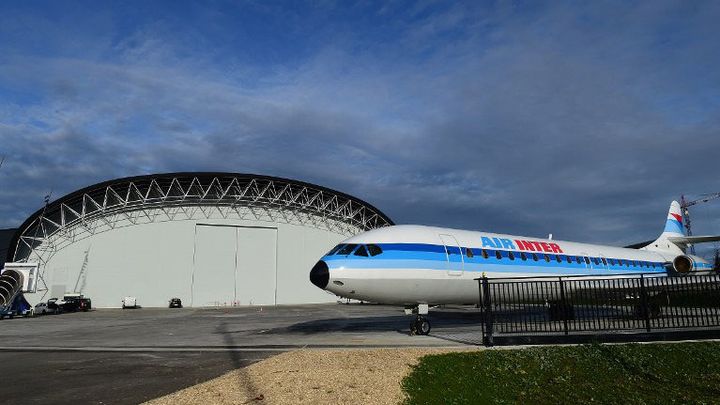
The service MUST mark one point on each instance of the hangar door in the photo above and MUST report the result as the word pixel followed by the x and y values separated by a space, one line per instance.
pixel 234 265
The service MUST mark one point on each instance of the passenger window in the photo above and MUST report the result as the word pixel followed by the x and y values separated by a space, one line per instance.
pixel 559 259
pixel 484 253
pixel 611 261
pixel 547 258
pixel 498 254
pixel 604 261
pixel 569 259
pixel 511 256
pixel 535 257
pixel 579 260
pixel 596 260
pixel 587 260
pixel 469 253
pixel 361 251
pixel 374 250
pixel 347 249
pixel 523 256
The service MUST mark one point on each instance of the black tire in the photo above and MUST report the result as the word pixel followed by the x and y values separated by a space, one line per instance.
pixel 423 327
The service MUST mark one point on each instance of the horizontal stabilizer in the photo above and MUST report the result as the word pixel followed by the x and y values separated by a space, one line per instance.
pixel 691 240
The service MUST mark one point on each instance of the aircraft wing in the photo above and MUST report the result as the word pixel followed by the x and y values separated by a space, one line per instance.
pixel 691 240
pixel 638 245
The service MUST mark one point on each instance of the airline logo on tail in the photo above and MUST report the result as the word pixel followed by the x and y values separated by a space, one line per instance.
pixel 674 220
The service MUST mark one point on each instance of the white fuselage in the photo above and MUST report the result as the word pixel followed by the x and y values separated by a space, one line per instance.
pixel 410 264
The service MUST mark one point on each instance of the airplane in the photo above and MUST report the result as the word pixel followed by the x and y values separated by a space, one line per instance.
pixel 421 266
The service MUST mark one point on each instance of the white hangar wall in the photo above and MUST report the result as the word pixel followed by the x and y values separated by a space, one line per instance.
pixel 205 262
pixel 207 238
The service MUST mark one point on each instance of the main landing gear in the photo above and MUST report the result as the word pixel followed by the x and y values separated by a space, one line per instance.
pixel 420 325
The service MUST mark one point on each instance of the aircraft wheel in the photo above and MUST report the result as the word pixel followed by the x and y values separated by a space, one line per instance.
pixel 420 326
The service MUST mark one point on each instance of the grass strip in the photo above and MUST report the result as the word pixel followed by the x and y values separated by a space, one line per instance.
pixel 610 374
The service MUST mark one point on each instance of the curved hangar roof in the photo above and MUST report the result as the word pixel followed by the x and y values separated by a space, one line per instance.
pixel 173 196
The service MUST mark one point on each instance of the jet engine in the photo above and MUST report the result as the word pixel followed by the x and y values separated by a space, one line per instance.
pixel 683 264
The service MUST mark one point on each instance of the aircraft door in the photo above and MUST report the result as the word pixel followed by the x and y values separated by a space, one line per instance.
pixel 453 254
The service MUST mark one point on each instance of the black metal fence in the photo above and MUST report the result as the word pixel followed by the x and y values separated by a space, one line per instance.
pixel 565 308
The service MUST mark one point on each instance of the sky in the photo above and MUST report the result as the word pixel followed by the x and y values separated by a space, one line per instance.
pixel 581 119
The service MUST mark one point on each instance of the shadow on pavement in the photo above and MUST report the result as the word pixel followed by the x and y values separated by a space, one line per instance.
pixel 440 319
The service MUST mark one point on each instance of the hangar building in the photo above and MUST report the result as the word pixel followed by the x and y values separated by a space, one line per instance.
pixel 210 239
pixel 5 237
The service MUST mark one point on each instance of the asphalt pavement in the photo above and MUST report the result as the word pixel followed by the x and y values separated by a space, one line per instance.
pixel 115 356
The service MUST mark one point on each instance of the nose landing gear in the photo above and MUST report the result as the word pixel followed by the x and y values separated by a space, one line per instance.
pixel 420 326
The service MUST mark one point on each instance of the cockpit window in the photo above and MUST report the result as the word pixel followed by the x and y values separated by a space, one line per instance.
pixel 361 251
pixel 334 250
pixel 347 249
pixel 374 250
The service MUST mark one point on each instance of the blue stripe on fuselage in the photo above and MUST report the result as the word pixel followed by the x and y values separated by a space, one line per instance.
pixel 428 256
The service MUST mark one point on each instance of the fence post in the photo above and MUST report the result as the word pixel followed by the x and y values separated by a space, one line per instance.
pixel 563 305
pixel 487 309
pixel 644 303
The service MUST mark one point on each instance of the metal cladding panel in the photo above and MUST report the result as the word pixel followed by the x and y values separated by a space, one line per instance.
pixel 299 249
pixel 155 262
pixel 152 262
pixel 256 266
pixel 214 266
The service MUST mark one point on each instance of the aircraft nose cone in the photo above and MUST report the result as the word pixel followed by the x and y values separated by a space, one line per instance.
pixel 319 275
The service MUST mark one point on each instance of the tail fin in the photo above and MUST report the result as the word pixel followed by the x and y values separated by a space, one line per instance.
pixel 674 225
pixel 673 229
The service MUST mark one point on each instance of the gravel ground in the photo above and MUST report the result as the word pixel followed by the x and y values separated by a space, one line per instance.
pixel 367 376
